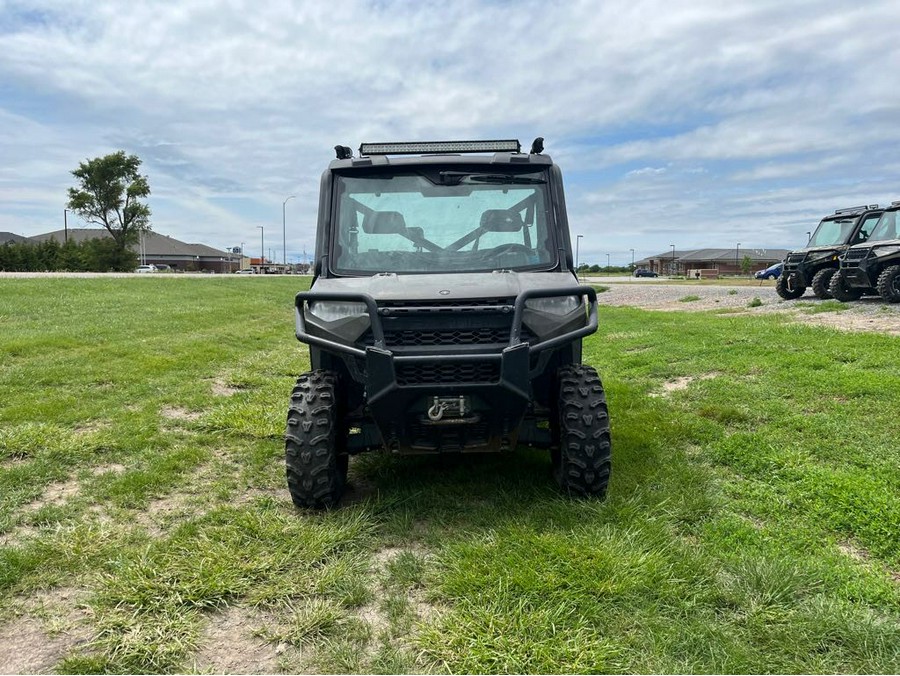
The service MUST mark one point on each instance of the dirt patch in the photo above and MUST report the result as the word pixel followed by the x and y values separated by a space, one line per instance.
pixel 852 322
pixel 861 555
pixel 54 494
pixel 176 413
pixel 111 468
pixel 158 517
pixel 17 535
pixel 222 389
pixel 229 645
pixel 372 613
pixel 91 427
pixel 681 383
pixel 26 648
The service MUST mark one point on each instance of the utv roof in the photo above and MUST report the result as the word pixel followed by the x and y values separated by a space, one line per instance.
pixel 853 211
pixel 501 152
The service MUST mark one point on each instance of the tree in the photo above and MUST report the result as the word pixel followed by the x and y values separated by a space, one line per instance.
pixel 746 264
pixel 109 193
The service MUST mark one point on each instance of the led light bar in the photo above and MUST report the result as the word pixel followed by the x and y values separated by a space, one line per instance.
pixel 424 147
pixel 849 210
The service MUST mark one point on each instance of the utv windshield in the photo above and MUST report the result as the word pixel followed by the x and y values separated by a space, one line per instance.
pixel 832 231
pixel 443 221
pixel 886 228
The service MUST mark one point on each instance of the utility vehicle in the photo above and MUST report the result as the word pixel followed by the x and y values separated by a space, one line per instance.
pixel 444 316
pixel 872 267
pixel 817 263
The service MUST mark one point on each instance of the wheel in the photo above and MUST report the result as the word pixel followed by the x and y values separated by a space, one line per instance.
pixel 788 287
pixel 315 445
pixel 820 282
pixel 889 284
pixel 840 290
pixel 581 453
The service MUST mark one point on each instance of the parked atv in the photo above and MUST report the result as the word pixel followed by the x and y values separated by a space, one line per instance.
pixel 873 267
pixel 444 317
pixel 816 264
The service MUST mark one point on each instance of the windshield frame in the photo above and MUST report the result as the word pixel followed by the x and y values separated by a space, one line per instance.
pixel 544 184
pixel 894 213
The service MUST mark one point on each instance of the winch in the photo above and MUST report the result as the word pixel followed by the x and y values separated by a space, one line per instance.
pixel 450 411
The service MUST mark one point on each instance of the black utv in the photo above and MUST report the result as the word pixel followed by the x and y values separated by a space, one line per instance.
pixel 816 264
pixel 873 267
pixel 444 317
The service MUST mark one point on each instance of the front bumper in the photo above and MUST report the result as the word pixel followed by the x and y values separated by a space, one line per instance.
pixel 805 268
pixel 395 384
pixel 861 273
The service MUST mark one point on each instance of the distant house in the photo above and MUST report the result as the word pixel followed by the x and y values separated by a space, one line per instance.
pixel 722 261
pixel 154 248
pixel 11 237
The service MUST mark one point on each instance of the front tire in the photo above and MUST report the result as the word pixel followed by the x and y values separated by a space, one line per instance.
pixel 889 284
pixel 820 282
pixel 840 290
pixel 788 286
pixel 315 450
pixel 581 454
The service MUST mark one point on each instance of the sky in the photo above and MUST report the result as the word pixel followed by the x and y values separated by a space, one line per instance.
pixel 698 123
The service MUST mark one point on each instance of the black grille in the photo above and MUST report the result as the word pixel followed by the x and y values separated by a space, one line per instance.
pixel 439 337
pixel 422 374
pixel 856 254
pixel 414 337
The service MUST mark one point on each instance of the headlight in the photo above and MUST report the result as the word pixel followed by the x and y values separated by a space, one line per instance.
pixel 886 250
pixel 330 310
pixel 822 255
pixel 556 305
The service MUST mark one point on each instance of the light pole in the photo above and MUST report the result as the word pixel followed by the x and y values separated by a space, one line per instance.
pixel 577 242
pixel 607 262
pixel 284 232
pixel 262 247
pixel 632 259
pixel 808 237
pixel 66 225
pixel 737 258
pixel 672 267
pixel 242 257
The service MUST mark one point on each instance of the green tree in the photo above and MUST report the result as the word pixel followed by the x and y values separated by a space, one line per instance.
pixel 109 193
pixel 746 264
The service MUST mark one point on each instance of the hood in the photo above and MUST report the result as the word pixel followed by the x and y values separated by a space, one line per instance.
pixel 447 287
pixel 876 243
pixel 815 249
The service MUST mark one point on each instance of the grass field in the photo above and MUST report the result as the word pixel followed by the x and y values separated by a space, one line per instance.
pixel 752 522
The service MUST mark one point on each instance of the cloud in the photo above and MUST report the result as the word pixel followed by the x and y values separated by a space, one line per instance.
pixel 664 114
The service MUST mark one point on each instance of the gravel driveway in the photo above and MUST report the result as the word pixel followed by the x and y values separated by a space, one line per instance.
pixel 868 314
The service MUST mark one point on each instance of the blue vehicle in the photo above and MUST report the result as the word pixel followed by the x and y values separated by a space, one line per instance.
pixel 771 272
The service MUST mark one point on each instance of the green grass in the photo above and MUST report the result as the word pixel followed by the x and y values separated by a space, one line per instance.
pixel 751 524
pixel 823 306
pixel 689 299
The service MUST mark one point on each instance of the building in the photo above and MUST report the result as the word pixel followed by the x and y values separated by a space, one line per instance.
pixel 162 250
pixel 711 262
